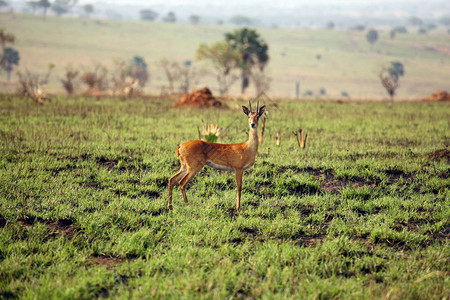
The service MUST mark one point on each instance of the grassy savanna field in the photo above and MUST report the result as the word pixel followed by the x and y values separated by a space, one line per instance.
pixel 348 63
pixel 362 213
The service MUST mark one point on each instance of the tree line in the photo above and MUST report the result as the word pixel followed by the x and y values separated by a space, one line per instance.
pixel 243 55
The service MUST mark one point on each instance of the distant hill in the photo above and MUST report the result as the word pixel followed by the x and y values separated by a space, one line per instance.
pixel 326 63
pixel 286 13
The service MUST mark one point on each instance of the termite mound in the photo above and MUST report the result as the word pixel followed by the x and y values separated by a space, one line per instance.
pixel 438 96
pixel 199 98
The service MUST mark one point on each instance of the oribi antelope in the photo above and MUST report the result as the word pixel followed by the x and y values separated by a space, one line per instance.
pixel 232 157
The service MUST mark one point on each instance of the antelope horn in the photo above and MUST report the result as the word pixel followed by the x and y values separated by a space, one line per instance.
pixel 250 105
pixel 257 106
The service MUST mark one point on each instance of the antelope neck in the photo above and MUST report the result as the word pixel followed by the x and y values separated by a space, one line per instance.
pixel 253 138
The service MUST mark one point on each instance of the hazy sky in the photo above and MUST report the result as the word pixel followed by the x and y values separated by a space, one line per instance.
pixel 439 6
pixel 249 2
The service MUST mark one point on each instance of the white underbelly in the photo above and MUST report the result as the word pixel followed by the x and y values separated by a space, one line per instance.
pixel 248 165
pixel 218 167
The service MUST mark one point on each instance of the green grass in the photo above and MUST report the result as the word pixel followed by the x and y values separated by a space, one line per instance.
pixel 348 63
pixel 363 212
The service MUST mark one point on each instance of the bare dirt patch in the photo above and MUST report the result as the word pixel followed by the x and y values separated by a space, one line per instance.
pixel 331 184
pixel 105 260
pixel 62 226
pixel 311 241
pixel 440 154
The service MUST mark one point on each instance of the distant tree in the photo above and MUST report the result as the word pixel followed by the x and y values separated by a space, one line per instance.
pixel 180 74
pixel 9 58
pixel 359 28
pixel 252 49
pixel 171 71
pixel 88 9
pixel 33 5
pixel 422 31
pixel 128 78
pixel 61 7
pixel 194 19
pixel 372 36
pixel 392 34
pixel 309 93
pixel 430 26
pixel 390 75
pixel 224 60
pixel 3 4
pixel 5 38
pixel 138 70
pixel 188 76
pixel 400 29
pixel 69 81
pixel 241 20
pixel 32 85
pixel 170 17
pixel 96 78
pixel 44 5
pixel 330 25
pixel 121 84
pixel 445 20
pixel 260 80
pixel 415 21
pixel 396 69
pixel 148 15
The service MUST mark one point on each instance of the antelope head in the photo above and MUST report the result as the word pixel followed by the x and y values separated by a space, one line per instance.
pixel 253 117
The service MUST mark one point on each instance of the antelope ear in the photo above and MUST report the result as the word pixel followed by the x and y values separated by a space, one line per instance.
pixel 246 110
pixel 261 111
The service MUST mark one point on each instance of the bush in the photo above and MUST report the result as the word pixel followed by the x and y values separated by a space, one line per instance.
pixel 96 79
pixel 32 85
pixel 68 81
pixel 138 70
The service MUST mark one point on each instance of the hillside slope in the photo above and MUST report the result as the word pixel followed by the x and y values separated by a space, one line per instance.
pixel 335 61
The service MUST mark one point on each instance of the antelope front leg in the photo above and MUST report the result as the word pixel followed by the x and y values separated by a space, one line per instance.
pixel 239 173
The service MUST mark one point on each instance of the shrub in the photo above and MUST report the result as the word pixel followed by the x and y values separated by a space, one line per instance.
pixel 68 81
pixel 96 78
pixel 32 85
